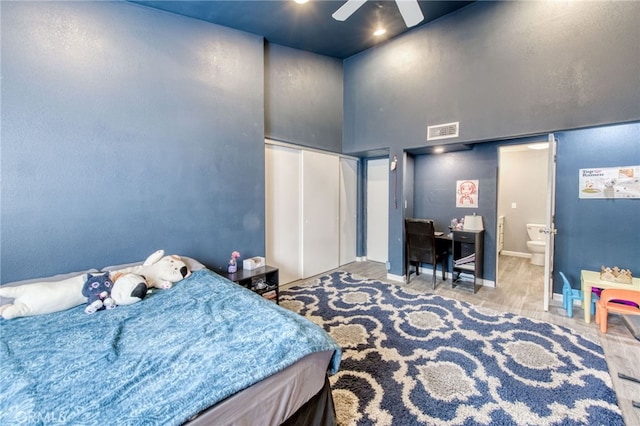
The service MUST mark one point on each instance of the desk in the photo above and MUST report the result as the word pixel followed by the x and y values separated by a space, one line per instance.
pixel 443 243
pixel 464 245
pixel 591 279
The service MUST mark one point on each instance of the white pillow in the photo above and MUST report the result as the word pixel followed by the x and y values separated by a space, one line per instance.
pixel 59 277
pixel 191 263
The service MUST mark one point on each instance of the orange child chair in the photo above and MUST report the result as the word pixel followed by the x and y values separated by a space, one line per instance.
pixel 610 301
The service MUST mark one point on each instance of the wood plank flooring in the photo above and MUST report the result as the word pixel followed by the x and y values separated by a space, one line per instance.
pixel 520 291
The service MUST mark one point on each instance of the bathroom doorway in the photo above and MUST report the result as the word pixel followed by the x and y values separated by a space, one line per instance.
pixel 521 201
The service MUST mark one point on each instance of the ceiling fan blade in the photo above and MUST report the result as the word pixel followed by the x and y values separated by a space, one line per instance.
pixel 347 9
pixel 410 11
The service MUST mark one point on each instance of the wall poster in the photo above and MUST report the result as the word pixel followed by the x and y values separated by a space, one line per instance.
pixel 467 193
pixel 610 182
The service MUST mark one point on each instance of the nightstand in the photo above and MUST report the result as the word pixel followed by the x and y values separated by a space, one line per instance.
pixel 254 279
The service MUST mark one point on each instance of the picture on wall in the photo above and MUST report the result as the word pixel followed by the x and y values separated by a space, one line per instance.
pixel 467 193
pixel 610 182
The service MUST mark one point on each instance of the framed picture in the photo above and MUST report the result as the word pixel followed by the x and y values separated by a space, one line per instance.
pixel 609 182
pixel 467 193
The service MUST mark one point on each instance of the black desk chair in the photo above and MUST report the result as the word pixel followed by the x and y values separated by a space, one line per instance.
pixel 421 247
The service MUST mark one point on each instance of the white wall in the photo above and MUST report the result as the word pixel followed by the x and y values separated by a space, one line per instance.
pixel 522 182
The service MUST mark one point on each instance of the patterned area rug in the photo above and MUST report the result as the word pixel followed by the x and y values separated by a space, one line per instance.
pixel 416 358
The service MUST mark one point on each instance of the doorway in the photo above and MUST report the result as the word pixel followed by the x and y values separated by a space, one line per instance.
pixel 377 210
pixel 522 200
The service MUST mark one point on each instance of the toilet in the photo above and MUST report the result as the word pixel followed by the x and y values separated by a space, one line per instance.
pixel 536 243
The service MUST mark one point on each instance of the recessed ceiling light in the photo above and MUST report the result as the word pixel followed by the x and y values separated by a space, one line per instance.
pixel 379 32
pixel 301 1
pixel 438 150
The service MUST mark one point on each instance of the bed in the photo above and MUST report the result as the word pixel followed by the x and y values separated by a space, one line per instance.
pixel 206 351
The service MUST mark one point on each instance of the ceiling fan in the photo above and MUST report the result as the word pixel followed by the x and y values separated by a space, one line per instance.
pixel 409 9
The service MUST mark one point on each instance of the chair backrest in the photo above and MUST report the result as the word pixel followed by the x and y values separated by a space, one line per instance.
pixel 420 240
pixel 565 281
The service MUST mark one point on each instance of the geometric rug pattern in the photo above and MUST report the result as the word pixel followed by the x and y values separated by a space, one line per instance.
pixel 412 358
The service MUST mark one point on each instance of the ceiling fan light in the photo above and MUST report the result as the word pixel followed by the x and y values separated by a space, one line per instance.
pixel 347 9
pixel 410 11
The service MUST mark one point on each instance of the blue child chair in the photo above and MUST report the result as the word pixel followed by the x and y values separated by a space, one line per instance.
pixel 569 294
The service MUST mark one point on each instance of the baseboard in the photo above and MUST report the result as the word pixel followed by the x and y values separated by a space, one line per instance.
pixel 361 258
pixel 515 254
pixel 394 277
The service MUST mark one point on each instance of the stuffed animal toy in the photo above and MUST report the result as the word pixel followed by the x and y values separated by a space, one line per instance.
pixel 105 292
pixel 97 290
pixel 43 297
pixel 161 271
pixel 128 288
pixel 54 296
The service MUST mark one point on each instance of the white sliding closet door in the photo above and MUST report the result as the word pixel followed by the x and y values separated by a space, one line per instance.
pixel 320 213
pixel 283 214
pixel 348 212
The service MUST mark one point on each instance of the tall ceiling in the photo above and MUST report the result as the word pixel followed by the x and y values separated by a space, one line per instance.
pixel 308 26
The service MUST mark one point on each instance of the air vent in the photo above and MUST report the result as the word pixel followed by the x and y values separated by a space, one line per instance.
pixel 443 131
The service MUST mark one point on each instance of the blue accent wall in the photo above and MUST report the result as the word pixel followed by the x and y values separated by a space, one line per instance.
pixel 303 98
pixel 503 70
pixel 126 130
pixel 595 232
pixel 591 232
pixel 435 179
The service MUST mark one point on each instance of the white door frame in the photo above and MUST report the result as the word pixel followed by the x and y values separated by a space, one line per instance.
pixel 550 229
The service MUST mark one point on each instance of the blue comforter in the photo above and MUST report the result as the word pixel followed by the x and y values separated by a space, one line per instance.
pixel 159 361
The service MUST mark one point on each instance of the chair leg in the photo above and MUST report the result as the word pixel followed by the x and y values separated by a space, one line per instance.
pixel 570 307
pixel 604 316
pixel 408 266
pixel 433 279
pixel 407 269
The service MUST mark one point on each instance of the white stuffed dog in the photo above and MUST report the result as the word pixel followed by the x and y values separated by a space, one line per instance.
pixel 54 296
pixel 128 288
pixel 161 271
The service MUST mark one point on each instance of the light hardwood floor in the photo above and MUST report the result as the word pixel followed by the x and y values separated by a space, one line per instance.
pixel 520 291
